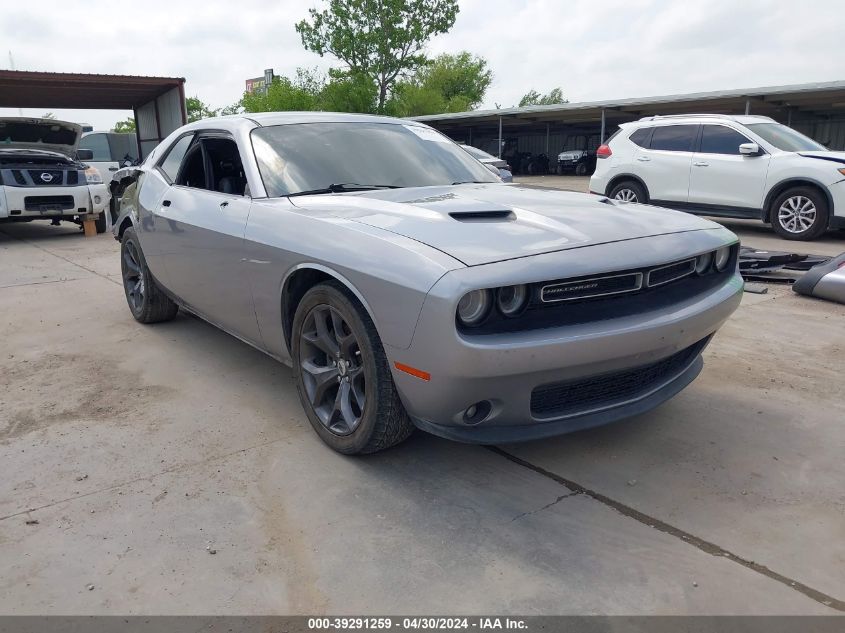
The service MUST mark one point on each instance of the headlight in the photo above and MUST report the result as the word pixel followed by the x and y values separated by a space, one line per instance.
pixel 511 300
pixel 723 255
pixel 92 176
pixel 703 263
pixel 474 306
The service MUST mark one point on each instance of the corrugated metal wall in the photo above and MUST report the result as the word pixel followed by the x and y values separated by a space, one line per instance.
pixel 162 115
pixel 829 132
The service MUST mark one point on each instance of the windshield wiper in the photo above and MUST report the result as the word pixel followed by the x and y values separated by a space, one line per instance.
pixel 341 188
pixel 473 182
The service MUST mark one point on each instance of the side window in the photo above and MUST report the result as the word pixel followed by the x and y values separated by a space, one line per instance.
pixel 173 158
pixel 718 139
pixel 641 137
pixel 192 171
pixel 224 162
pixel 99 145
pixel 674 138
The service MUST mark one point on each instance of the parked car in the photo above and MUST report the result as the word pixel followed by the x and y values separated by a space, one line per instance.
pixel 42 176
pixel 731 166
pixel 500 167
pixel 439 298
pixel 110 151
pixel 578 161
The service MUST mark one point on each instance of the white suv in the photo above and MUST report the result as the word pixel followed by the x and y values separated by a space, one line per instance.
pixel 729 166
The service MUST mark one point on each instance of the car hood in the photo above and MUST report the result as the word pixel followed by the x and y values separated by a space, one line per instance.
pixel 43 134
pixel 485 223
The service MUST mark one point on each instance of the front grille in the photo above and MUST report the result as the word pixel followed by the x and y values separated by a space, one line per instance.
pixel 73 178
pixel 665 274
pixel 606 390
pixel 18 175
pixel 587 288
pixel 46 177
pixel 48 203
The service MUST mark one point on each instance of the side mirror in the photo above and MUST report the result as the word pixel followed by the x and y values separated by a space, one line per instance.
pixel 85 154
pixel 750 149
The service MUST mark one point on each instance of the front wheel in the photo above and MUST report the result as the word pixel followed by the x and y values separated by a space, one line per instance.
pixel 628 191
pixel 799 214
pixel 342 374
pixel 100 222
pixel 146 300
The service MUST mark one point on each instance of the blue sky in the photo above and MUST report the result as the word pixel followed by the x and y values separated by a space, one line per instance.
pixel 599 49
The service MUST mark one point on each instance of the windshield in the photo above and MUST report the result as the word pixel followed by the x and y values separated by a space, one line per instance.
pixel 478 153
pixel 312 156
pixel 785 138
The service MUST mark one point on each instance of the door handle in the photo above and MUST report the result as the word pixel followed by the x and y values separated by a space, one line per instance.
pixel 165 203
pixel 112 168
pixel 700 164
pixel 643 159
pixel 224 204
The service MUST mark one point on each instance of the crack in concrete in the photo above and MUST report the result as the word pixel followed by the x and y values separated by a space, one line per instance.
pixel 686 537
pixel 545 507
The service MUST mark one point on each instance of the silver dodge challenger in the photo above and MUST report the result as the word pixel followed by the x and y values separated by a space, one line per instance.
pixel 407 286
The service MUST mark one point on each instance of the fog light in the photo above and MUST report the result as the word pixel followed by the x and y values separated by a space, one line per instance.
pixel 477 412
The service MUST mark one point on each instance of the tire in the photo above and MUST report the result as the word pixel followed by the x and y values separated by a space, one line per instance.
pixel 800 213
pixel 581 169
pixel 628 191
pixel 324 362
pixel 559 170
pixel 100 222
pixel 146 300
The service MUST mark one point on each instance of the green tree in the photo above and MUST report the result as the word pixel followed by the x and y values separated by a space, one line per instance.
pixel 348 92
pixel 127 125
pixel 302 92
pixel 379 39
pixel 532 97
pixel 197 110
pixel 449 83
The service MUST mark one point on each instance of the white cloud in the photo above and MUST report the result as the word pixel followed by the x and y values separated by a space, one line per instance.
pixel 591 49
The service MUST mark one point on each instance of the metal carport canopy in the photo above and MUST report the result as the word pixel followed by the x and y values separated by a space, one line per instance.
pixel 158 103
pixel 781 101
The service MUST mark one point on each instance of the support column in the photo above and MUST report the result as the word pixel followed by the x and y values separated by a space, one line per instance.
pixel 748 106
pixel 499 153
pixel 601 138
pixel 547 139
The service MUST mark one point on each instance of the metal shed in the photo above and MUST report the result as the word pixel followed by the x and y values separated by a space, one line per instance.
pixel 158 103
pixel 816 109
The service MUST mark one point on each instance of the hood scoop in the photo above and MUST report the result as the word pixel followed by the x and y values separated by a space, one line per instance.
pixel 494 215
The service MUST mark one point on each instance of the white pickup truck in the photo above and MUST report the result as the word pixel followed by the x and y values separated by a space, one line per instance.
pixel 44 177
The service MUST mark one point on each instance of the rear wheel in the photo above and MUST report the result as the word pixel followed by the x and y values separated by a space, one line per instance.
pixel 146 300
pixel 581 169
pixel 799 214
pixel 342 374
pixel 628 191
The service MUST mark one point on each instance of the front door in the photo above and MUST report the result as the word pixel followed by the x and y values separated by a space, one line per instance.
pixel 200 225
pixel 721 179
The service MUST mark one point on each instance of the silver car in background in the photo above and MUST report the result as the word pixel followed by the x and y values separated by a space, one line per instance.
pixel 407 286
pixel 496 165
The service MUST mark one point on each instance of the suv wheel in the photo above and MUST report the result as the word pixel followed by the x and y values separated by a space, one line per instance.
pixel 628 191
pixel 799 214
pixel 342 374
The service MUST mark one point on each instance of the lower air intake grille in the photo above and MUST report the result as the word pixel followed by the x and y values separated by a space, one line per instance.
pixel 586 394
pixel 48 203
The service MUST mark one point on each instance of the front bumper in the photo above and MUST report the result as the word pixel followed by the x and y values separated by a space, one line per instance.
pixel 504 370
pixel 52 202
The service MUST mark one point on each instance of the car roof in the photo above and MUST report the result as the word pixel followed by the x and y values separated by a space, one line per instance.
pixel 742 119
pixel 263 119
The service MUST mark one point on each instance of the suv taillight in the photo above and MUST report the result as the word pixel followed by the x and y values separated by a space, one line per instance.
pixel 603 151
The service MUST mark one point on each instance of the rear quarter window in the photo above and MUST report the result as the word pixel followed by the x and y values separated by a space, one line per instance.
pixel 641 137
